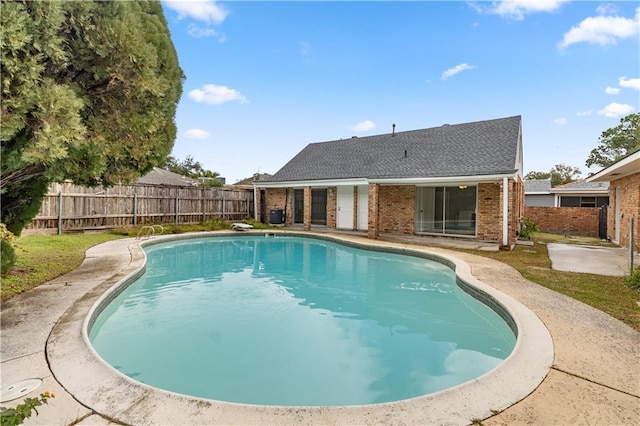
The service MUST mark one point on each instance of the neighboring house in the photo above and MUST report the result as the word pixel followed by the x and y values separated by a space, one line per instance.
pixel 462 180
pixel 581 193
pixel 159 176
pixel 537 193
pixel 249 181
pixel 624 195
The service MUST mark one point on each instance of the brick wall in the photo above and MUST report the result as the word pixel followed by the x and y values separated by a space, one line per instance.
pixel 565 220
pixel 275 199
pixel 489 219
pixel 373 207
pixel 397 209
pixel 332 200
pixel 629 189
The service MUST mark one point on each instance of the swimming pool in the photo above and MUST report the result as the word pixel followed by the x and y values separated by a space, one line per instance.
pixel 297 321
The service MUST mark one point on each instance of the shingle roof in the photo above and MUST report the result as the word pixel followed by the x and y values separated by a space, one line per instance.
pixel 537 185
pixel 159 176
pixel 582 185
pixel 469 149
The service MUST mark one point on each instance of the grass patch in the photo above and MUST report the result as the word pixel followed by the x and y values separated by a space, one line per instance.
pixel 605 293
pixel 41 258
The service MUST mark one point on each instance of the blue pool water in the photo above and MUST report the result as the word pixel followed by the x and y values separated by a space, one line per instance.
pixel 297 321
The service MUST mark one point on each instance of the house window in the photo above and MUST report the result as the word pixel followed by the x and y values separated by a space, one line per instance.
pixel 446 210
pixel 583 201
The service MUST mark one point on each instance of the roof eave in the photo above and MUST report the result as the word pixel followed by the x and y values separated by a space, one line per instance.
pixel 622 168
pixel 386 181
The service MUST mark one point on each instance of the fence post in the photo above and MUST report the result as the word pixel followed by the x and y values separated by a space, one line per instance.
pixel 135 208
pixel 204 213
pixel 176 210
pixel 223 209
pixel 631 243
pixel 59 212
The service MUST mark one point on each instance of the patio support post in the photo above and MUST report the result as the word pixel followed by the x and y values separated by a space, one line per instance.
pixel 505 211
pixel 255 203
pixel 307 208
pixel 373 230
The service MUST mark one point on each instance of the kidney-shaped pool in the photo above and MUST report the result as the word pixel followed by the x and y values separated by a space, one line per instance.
pixel 283 320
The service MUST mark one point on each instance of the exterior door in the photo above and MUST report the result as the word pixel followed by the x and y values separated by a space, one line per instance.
pixel 363 208
pixel 344 207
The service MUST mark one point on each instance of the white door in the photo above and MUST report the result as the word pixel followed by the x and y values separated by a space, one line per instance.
pixel 617 217
pixel 344 206
pixel 363 208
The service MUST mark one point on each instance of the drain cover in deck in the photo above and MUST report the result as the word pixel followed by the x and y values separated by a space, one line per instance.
pixel 18 389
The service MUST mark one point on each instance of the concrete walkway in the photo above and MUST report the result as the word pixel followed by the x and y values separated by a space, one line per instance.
pixel 594 379
pixel 612 261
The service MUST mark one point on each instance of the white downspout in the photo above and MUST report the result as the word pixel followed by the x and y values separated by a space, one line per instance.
pixel 505 211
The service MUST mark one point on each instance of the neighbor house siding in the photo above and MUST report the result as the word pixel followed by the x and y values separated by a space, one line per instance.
pixel 543 200
pixel 629 207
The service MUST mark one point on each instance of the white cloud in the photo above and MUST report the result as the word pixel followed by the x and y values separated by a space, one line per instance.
pixel 212 94
pixel 517 9
pixel 196 134
pixel 607 9
pixel 363 126
pixel 455 70
pixel 201 10
pixel 560 121
pixel 200 32
pixel 612 90
pixel 602 30
pixel 584 113
pixel 633 83
pixel 616 110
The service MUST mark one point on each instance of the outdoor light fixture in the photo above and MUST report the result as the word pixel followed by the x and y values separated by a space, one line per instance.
pixel 462 186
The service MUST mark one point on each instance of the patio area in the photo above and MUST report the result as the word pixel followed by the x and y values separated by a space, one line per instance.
pixel 594 377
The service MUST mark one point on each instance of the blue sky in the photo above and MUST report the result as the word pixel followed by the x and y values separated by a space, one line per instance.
pixel 264 79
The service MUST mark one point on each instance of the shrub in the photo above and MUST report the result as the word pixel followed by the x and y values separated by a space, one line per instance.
pixel 633 279
pixel 7 253
pixel 527 228
pixel 256 224
pixel 216 224
pixel 16 416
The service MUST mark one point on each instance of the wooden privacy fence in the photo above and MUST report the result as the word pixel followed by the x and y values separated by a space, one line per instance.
pixel 68 207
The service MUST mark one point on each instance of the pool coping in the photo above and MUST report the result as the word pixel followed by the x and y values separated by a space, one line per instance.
pixel 118 398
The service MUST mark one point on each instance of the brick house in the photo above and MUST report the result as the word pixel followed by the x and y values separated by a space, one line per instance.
pixel 624 199
pixel 462 180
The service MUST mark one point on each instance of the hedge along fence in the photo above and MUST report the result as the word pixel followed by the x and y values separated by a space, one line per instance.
pixel 71 208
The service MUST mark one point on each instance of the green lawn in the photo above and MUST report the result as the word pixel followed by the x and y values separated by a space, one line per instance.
pixel 41 258
pixel 608 294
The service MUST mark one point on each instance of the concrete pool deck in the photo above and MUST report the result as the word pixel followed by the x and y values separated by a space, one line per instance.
pixel 594 377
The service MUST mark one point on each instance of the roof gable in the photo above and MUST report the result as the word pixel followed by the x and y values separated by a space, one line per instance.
pixel 470 149
pixel 159 176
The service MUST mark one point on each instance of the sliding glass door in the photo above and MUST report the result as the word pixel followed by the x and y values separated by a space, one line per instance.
pixel 446 210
